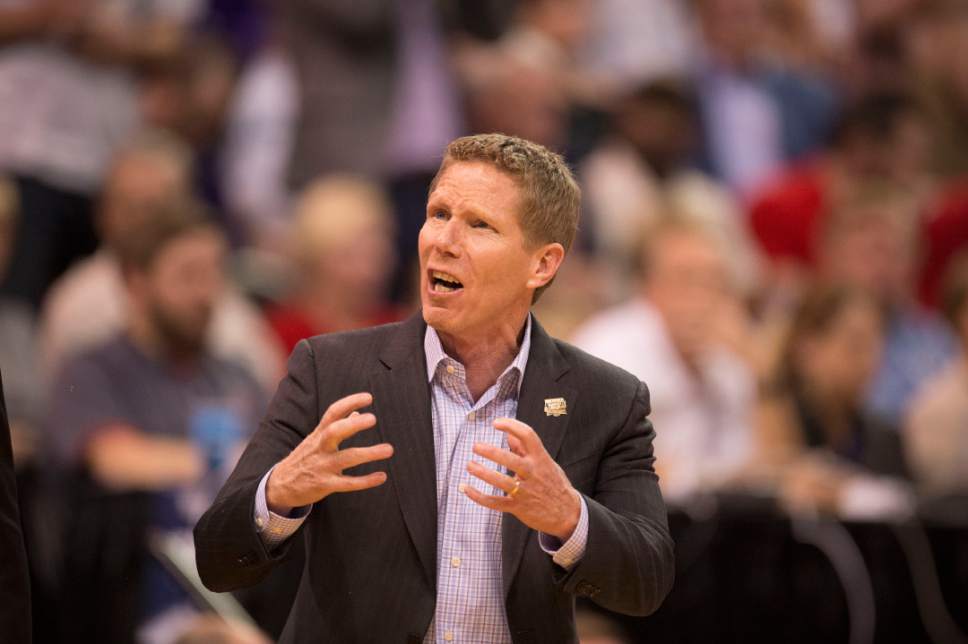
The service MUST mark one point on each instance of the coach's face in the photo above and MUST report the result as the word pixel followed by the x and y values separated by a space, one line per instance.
pixel 477 270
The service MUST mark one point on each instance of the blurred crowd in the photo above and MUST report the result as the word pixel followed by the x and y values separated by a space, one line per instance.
pixel 774 238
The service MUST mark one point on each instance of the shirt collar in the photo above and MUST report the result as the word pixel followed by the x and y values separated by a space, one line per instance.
pixel 435 353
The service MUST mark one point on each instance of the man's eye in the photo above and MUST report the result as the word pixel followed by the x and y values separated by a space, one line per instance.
pixel 480 224
pixel 438 214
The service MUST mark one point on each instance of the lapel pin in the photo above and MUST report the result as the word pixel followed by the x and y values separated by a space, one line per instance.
pixel 555 407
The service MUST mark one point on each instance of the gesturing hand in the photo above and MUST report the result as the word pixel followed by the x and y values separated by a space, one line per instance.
pixel 539 494
pixel 314 470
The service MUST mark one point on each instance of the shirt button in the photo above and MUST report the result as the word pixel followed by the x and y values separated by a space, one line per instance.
pixel 471 416
pixel 450 369
pixel 455 562
pixel 259 522
pixel 449 636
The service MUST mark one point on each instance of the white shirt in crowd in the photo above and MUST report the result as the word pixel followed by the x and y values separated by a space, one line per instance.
pixel 702 424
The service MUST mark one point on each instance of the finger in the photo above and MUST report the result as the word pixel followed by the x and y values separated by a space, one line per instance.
pixel 514 427
pixel 512 462
pixel 500 481
pixel 342 407
pixel 353 456
pixel 496 503
pixel 340 430
pixel 357 483
pixel 516 446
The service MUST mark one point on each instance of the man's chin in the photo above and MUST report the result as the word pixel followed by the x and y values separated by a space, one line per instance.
pixel 436 316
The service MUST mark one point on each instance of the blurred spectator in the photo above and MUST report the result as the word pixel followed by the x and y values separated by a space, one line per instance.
pixel 342 243
pixel 344 55
pixel 523 84
pixel 813 428
pixel 633 42
pixel 18 347
pixel 582 291
pixel 936 432
pixel 641 170
pixel 88 304
pixel 150 413
pixel 376 98
pixel 946 234
pixel 671 335
pixel 938 49
pixel 66 102
pixel 523 99
pixel 937 34
pixel 352 112
pixel 189 95
pixel 759 107
pixel 880 137
pixel 259 139
pixel 869 241
pixel 548 33
pixel 243 24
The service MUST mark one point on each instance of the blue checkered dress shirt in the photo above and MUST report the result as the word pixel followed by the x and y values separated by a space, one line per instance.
pixel 470 596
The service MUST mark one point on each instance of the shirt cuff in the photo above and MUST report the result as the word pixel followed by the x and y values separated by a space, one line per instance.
pixel 274 528
pixel 569 553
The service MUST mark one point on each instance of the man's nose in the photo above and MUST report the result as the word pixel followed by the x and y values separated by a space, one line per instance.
pixel 448 239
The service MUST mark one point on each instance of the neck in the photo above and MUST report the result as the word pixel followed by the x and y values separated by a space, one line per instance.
pixel 485 356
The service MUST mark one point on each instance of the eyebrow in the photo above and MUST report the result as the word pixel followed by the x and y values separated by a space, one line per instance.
pixel 440 202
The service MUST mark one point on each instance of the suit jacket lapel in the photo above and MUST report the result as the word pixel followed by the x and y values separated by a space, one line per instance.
pixel 401 402
pixel 545 367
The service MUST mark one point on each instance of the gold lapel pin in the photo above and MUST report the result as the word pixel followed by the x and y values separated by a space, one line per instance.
pixel 555 407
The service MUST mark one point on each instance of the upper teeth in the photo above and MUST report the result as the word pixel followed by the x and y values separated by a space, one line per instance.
pixel 447 277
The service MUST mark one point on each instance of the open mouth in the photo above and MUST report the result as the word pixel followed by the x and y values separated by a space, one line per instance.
pixel 441 282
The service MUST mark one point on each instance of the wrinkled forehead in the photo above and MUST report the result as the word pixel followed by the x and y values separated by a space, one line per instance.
pixel 477 185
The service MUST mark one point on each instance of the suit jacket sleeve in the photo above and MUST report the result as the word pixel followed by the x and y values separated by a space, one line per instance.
pixel 229 551
pixel 14 585
pixel 629 563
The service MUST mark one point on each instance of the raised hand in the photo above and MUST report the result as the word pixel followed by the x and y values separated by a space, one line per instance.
pixel 539 494
pixel 314 470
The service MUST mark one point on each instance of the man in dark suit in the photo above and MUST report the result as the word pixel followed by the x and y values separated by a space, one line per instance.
pixel 519 469
pixel 14 585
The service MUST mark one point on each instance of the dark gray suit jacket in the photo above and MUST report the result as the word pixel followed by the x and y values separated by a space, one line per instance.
pixel 371 569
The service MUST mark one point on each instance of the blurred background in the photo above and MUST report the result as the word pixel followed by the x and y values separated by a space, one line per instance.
pixel 774 237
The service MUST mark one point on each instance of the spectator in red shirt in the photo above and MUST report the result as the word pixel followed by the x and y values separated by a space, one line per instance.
pixel 945 234
pixel 342 248
pixel 882 136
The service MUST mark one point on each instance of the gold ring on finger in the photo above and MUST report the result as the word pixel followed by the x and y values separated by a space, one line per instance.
pixel 515 489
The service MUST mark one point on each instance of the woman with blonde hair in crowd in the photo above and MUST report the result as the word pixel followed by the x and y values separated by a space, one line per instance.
pixel 342 257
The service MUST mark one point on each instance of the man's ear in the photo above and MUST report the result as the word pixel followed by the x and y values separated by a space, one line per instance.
pixel 547 260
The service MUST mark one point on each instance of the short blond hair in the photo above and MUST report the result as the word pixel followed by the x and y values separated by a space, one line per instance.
pixel 550 196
